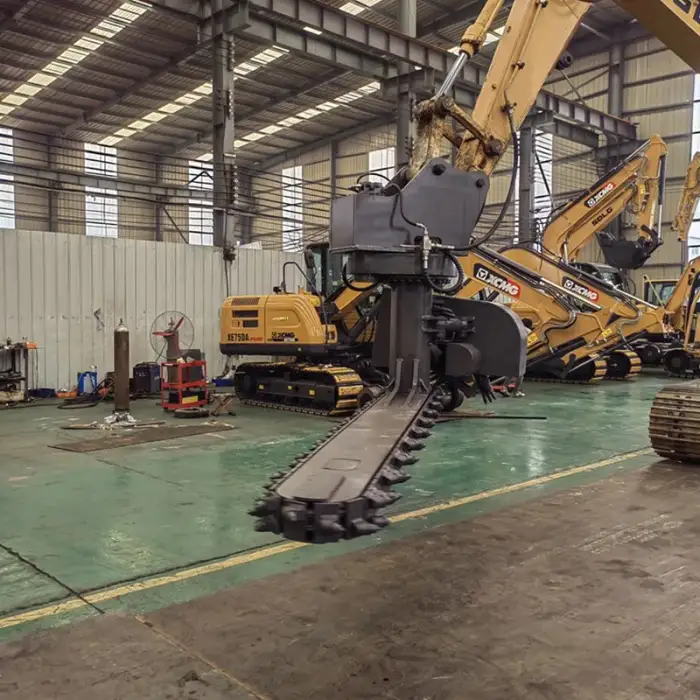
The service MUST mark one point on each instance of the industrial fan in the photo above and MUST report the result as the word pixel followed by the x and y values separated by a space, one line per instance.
pixel 183 372
pixel 171 335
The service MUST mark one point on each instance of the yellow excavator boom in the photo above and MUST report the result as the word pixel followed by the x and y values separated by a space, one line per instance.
pixel 636 185
pixel 675 22
pixel 689 199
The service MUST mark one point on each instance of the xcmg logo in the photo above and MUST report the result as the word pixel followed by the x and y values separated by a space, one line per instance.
pixel 491 279
pixel 576 287
pixel 687 6
pixel 604 191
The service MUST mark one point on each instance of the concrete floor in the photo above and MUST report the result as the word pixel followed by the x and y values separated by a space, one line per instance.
pixel 136 529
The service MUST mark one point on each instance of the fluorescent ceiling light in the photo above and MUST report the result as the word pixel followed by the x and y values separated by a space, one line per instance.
pixel 354 8
pixel 313 30
pixel 306 115
pixel 201 92
pixel 121 18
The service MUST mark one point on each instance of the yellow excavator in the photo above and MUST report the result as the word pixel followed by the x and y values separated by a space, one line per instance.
pixel 405 236
pixel 630 330
pixel 657 291
pixel 330 327
pixel 635 185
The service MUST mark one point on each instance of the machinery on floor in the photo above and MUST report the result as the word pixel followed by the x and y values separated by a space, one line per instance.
pixel 404 235
pixel 636 185
pixel 619 330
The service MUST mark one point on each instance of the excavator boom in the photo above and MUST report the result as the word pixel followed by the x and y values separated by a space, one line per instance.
pixel 675 22
pixel 689 199
pixel 636 184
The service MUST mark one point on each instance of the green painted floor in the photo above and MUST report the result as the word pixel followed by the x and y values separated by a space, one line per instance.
pixel 103 525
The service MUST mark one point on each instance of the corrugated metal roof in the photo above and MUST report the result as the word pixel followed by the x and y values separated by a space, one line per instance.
pixel 136 71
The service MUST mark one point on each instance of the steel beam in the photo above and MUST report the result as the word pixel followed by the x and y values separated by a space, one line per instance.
pixel 292 153
pixel 203 137
pixel 73 181
pixel 362 47
pixel 571 121
pixel 152 75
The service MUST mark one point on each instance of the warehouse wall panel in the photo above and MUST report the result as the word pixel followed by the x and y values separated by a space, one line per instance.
pixel 52 285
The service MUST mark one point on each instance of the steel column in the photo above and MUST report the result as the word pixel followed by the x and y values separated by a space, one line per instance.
pixel 223 132
pixel 526 187
pixel 53 193
pixel 404 122
pixel 334 169
pixel 159 203
pixel 615 106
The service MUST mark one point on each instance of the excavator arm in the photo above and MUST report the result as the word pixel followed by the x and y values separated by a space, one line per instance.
pixel 636 185
pixel 675 22
pixel 535 35
pixel 689 199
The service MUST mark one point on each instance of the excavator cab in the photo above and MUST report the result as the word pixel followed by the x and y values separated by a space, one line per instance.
pixel 658 292
pixel 324 269
pixel 607 273
pixel 625 254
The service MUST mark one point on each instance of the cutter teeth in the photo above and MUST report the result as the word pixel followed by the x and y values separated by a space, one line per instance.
pixel 393 476
pixel 364 527
pixel 379 498
pixel 402 459
pixel 268 524
pixel 411 445
pixel 266 506
pixel 380 520
pixel 419 433
pixel 423 422
pixel 329 525
pixel 295 513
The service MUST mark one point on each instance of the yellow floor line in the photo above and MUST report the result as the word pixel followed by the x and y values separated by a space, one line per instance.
pixel 185 574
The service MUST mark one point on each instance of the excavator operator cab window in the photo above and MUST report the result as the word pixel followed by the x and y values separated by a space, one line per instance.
pixel 658 292
pixel 606 273
pixel 324 269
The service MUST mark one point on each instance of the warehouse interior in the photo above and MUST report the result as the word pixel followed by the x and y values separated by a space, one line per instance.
pixel 264 261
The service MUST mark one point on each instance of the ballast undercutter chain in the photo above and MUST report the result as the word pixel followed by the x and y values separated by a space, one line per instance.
pixel 322 521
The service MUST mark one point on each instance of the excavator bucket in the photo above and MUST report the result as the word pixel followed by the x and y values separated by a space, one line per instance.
pixel 628 255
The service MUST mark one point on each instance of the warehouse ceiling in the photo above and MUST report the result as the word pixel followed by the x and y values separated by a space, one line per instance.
pixel 133 75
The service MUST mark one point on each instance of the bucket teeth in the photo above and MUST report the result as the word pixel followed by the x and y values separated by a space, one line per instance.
pixel 393 476
pixel 430 413
pixel 402 459
pixel 425 422
pixel 419 433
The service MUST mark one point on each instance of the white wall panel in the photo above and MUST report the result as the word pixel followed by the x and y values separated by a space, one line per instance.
pixel 51 284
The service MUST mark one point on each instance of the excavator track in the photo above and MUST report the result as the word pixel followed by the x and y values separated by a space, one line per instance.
pixel 623 365
pixel 595 370
pixel 322 390
pixel 337 490
pixel 674 422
